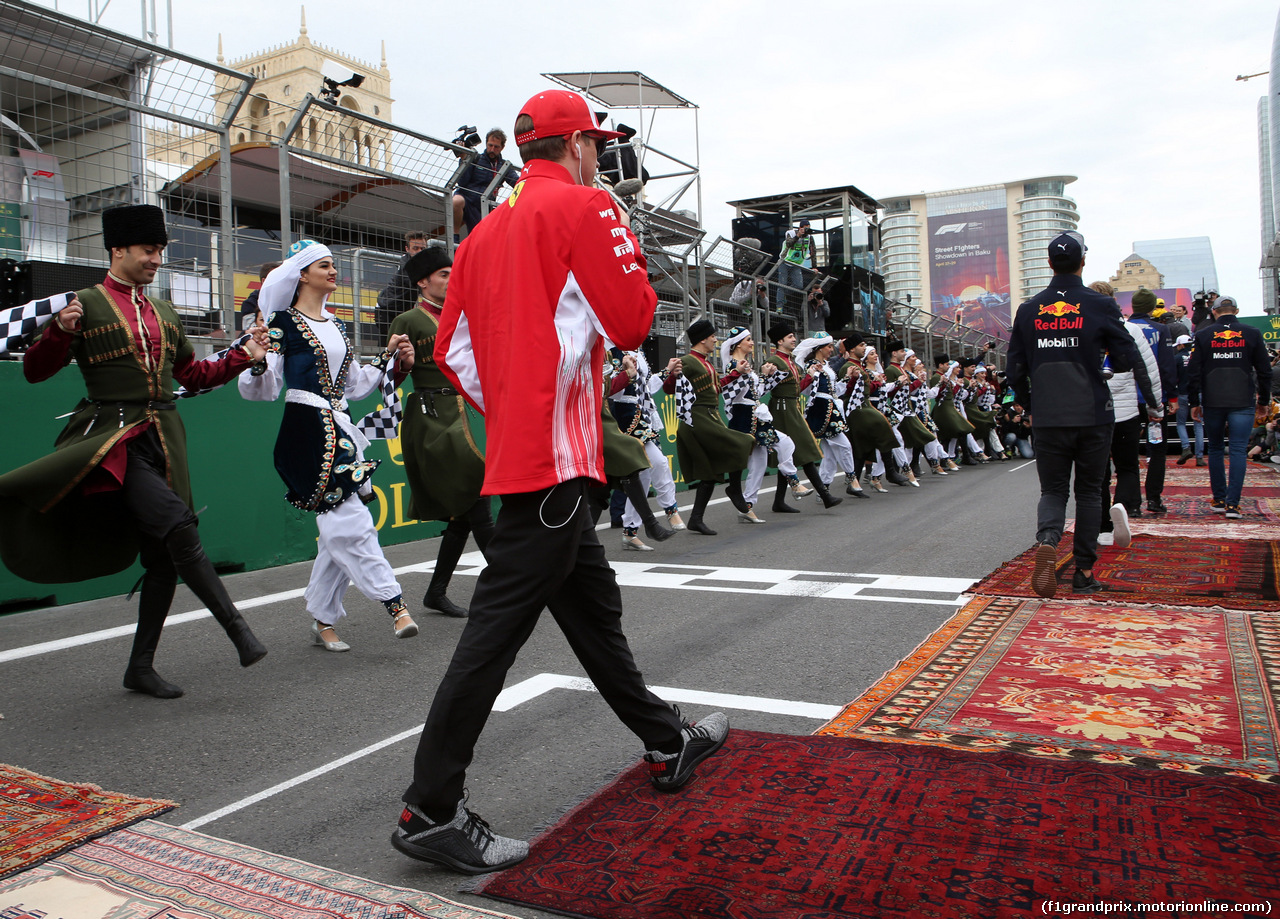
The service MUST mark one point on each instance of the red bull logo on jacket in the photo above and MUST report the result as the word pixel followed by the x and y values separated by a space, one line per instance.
pixel 1066 317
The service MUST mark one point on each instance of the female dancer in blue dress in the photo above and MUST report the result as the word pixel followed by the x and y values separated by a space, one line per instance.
pixel 319 452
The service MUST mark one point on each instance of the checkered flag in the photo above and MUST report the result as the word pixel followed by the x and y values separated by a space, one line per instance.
pixel 382 424
pixel 685 397
pixel 184 393
pixel 18 323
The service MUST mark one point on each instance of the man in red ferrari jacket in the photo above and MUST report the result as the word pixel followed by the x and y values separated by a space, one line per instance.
pixel 535 288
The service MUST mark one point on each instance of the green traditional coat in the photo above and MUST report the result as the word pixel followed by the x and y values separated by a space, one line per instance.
pixel 708 449
pixel 784 404
pixel 443 463
pixel 946 416
pixel 49 532
pixel 623 454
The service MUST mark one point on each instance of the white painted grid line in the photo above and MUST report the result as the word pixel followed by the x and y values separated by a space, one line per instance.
pixel 516 695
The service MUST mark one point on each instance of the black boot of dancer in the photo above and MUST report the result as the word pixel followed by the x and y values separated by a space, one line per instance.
pixel 828 499
pixel 158 583
pixel 780 505
pixel 452 541
pixel 733 491
pixel 701 496
pixel 195 569
pixel 637 495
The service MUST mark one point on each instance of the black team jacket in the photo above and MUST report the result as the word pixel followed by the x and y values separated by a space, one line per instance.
pixel 1056 349
pixel 1229 367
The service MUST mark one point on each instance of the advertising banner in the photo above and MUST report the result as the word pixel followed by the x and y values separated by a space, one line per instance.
pixel 969 263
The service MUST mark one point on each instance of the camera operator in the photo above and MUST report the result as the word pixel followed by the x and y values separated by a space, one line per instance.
pixel 477 176
pixel 816 309
pixel 796 260
pixel 1015 430
pixel 751 293
pixel 1202 310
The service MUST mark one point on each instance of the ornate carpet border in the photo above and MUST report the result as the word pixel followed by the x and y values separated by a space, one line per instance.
pixel 849 722
pixel 191 874
pixel 19 854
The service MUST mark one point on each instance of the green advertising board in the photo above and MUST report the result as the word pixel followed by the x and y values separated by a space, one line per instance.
pixel 1268 325
pixel 245 523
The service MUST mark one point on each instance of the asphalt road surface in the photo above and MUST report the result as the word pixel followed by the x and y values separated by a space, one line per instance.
pixel 307 753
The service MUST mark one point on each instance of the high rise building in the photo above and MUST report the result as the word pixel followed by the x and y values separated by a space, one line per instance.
pixel 1268 267
pixel 1186 262
pixel 951 250
pixel 1269 169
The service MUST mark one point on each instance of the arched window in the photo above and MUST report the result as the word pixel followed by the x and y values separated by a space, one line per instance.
pixel 280 130
pixel 240 137
pixel 311 133
pixel 386 160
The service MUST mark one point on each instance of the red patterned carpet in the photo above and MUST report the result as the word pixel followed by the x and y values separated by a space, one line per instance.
pixel 154 871
pixel 1190 690
pixel 40 817
pixel 827 827
pixel 1236 573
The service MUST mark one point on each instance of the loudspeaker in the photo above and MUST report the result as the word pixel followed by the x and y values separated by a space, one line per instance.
pixel 27 281
pixel 658 350
pixel 770 229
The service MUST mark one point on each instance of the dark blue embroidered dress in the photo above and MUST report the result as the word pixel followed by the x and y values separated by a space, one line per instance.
pixel 318 452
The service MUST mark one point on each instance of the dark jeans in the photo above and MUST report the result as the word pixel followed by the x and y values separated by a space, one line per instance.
pixel 1124 454
pixel 1058 451
pixel 1156 454
pixel 544 552
pixel 1235 424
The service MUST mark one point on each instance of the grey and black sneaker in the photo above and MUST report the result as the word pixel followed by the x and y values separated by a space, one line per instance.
pixel 464 844
pixel 669 771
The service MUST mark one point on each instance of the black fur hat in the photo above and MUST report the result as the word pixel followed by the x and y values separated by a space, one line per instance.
pixel 426 263
pixel 136 225
pixel 780 330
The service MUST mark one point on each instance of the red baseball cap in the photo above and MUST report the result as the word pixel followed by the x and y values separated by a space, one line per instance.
pixel 558 113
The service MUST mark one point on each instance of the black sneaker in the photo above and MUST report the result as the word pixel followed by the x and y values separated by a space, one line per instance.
pixel 668 771
pixel 1085 584
pixel 1217 505
pixel 464 844
pixel 1157 507
pixel 1232 511
pixel 1186 455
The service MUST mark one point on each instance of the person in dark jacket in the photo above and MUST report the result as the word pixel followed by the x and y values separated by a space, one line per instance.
pixel 1055 355
pixel 1229 387
pixel 1160 339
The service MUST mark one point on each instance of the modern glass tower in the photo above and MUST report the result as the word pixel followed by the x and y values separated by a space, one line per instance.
pixel 1186 262
pixel 979 245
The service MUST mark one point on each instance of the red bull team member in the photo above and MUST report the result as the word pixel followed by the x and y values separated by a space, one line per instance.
pixel 1055 354
pixel 1229 388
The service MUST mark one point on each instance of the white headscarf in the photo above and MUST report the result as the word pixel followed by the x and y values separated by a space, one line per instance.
pixel 810 345
pixel 726 346
pixel 281 284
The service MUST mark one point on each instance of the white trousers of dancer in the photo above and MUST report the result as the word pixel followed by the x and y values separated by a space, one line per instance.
pixel 837 456
pixel 973 443
pixel 659 476
pixel 348 552
pixel 758 465
pixel 993 438
pixel 933 451
pixel 901 455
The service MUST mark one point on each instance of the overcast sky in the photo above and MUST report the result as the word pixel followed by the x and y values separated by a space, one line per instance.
pixel 1137 99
